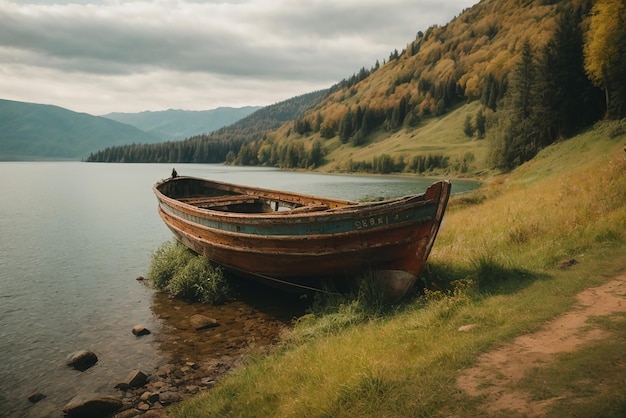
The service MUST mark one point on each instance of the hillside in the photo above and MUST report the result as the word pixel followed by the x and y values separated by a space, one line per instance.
pixel 404 108
pixel 31 131
pixel 175 124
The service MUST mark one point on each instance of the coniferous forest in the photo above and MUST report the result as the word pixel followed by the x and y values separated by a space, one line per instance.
pixel 541 70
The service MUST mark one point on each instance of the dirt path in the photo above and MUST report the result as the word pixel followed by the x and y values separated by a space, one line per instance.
pixel 498 371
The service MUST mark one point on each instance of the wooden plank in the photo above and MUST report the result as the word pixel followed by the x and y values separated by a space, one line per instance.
pixel 306 209
pixel 218 200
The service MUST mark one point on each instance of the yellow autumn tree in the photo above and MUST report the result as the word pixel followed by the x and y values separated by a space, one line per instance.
pixel 604 45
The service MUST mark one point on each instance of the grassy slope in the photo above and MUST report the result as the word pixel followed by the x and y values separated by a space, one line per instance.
pixel 503 241
pixel 436 136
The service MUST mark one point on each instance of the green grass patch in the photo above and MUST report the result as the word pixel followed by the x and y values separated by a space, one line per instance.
pixel 435 136
pixel 181 272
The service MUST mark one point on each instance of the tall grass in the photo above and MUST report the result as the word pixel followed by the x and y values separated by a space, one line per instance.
pixel 494 265
pixel 177 270
pixel 332 312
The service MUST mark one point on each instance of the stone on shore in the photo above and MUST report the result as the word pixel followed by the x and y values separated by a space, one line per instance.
pixel 135 379
pixel 129 413
pixel 150 397
pixel 82 360
pixel 140 330
pixel 167 398
pixel 93 406
pixel 200 322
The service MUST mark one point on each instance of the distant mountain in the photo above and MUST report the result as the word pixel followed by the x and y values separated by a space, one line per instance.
pixel 181 124
pixel 31 131
pixel 215 146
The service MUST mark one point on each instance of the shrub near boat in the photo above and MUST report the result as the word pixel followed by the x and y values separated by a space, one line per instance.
pixel 179 271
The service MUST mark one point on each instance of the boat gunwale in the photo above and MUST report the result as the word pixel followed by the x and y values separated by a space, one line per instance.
pixel 349 210
pixel 258 191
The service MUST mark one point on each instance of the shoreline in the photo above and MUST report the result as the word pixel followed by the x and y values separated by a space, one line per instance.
pixel 194 359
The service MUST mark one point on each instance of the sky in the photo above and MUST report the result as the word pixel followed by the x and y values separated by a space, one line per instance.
pixel 102 56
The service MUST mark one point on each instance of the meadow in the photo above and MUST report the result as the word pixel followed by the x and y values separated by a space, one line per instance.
pixel 510 257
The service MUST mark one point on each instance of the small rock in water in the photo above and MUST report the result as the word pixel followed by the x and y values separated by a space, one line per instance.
pixel 82 360
pixel 200 322
pixel 36 397
pixel 140 330
pixel 95 405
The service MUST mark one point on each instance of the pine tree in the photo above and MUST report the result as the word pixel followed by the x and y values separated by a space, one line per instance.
pixel 468 129
pixel 481 122
pixel 524 79
pixel 516 136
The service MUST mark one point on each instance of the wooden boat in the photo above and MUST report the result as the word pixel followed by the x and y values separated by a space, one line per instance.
pixel 297 240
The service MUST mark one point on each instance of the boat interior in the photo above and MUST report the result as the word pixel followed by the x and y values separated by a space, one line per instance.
pixel 252 204
pixel 240 199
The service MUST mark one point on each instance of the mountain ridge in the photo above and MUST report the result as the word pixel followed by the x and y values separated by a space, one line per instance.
pixel 177 124
pixel 34 131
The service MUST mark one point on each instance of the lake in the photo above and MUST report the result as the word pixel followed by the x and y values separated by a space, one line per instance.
pixel 74 238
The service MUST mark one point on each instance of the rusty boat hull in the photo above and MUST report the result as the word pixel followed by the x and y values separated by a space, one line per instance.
pixel 297 240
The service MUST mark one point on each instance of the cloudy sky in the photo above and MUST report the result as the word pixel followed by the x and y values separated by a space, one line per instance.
pixel 101 56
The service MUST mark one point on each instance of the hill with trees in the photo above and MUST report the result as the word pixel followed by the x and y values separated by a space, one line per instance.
pixel 176 124
pixel 509 77
pixel 523 64
pixel 30 131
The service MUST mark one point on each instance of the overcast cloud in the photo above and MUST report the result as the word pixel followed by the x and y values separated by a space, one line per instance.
pixel 129 56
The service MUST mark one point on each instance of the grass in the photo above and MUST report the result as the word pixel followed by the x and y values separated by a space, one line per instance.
pixel 436 136
pixel 179 271
pixel 495 265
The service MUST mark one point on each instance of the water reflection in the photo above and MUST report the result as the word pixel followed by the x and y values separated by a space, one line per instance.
pixel 254 320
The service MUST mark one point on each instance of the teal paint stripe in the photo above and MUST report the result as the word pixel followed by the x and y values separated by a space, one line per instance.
pixel 321 225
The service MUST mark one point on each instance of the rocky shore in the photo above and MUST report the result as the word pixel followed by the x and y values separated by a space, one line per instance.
pixel 172 383
pixel 146 394
pixel 198 343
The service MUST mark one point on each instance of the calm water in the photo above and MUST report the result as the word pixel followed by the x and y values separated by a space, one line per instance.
pixel 73 239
